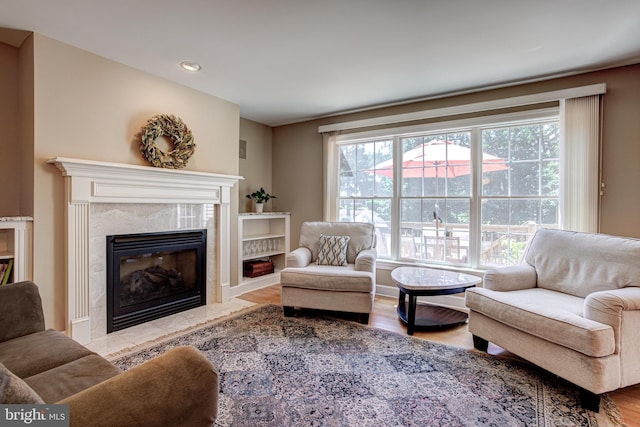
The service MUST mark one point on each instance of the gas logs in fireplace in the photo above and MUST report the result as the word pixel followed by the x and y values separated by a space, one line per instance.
pixel 152 275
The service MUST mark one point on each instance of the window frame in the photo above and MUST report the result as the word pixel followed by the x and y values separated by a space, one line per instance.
pixel 472 124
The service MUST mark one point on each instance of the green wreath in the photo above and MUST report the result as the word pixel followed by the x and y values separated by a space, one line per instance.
pixel 174 128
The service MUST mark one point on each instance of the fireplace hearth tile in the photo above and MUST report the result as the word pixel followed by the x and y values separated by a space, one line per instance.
pixel 150 331
pixel 122 218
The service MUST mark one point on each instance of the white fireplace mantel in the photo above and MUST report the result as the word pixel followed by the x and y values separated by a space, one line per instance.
pixel 89 182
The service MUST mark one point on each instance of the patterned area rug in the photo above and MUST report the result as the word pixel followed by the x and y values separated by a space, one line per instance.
pixel 320 371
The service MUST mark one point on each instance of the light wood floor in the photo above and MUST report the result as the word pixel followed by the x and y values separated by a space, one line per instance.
pixel 384 317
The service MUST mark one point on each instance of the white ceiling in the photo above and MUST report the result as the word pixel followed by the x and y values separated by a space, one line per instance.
pixel 284 61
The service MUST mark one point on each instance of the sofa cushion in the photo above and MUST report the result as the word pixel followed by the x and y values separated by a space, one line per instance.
pixel 581 263
pixel 47 349
pixel 328 278
pixel 20 310
pixel 546 314
pixel 15 391
pixel 333 250
pixel 68 379
pixel 361 236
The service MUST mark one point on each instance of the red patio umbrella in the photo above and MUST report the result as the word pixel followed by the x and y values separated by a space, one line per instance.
pixel 439 159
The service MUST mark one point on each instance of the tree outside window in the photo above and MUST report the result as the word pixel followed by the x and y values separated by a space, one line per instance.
pixel 454 206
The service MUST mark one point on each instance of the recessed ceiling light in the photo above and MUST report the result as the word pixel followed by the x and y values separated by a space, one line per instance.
pixel 190 66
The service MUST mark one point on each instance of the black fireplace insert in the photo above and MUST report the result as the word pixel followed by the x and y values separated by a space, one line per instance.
pixel 152 275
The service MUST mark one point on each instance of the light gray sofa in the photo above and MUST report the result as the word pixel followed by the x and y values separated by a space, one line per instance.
pixel 572 307
pixel 348 288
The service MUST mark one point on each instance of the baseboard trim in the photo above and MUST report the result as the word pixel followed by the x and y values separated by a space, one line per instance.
pixel 253 284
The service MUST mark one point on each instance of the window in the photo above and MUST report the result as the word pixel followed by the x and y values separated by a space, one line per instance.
pixel 523 196
pixel 470 195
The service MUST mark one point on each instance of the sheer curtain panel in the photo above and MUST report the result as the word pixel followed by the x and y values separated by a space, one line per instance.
pixel 580 168
pixel 330 171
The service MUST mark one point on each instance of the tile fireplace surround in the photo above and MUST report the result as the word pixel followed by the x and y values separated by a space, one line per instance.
pixel 103 199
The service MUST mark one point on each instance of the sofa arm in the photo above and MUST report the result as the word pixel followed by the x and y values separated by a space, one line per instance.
pixel 511 278
pixel 20 310
pixel 177 388
pixel 300 257
pixel 608 307
pixel 366 260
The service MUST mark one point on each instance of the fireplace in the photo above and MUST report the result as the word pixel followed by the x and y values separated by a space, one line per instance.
pixel 103 199
pixel 152 275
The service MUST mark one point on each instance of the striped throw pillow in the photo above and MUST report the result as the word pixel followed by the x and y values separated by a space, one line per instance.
pixel 333 250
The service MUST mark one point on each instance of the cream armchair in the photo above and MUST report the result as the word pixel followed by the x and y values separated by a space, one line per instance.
pixel 572 307
pixel 343 280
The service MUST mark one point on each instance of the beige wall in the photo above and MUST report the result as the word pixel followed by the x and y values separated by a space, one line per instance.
pixel 297 173
pixel 297 148
pixel 621 152
pixel 16 122
pixel 26 124
pixel 10 136
pixel 89 107
pixel 257 167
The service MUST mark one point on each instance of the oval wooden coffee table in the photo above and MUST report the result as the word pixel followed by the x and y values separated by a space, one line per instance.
pixel 422 281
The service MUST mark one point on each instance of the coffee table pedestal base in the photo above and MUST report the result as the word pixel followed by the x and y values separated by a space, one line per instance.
pixel 421 281
pixel 430 316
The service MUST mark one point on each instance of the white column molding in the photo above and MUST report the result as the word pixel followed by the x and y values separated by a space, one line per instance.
pixel 22 265
pixel 101 182
pixel 79 322
pixel 224 246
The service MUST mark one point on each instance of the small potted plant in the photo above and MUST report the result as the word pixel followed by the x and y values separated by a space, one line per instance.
pixel 260 197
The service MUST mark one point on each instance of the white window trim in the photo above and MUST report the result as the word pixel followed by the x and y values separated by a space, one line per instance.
pixel 537 98
pixel 333 142
pixel 449 125
pixel 333 138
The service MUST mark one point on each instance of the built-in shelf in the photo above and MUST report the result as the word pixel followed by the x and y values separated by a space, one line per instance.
pixel 15 248
pixel 262 237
